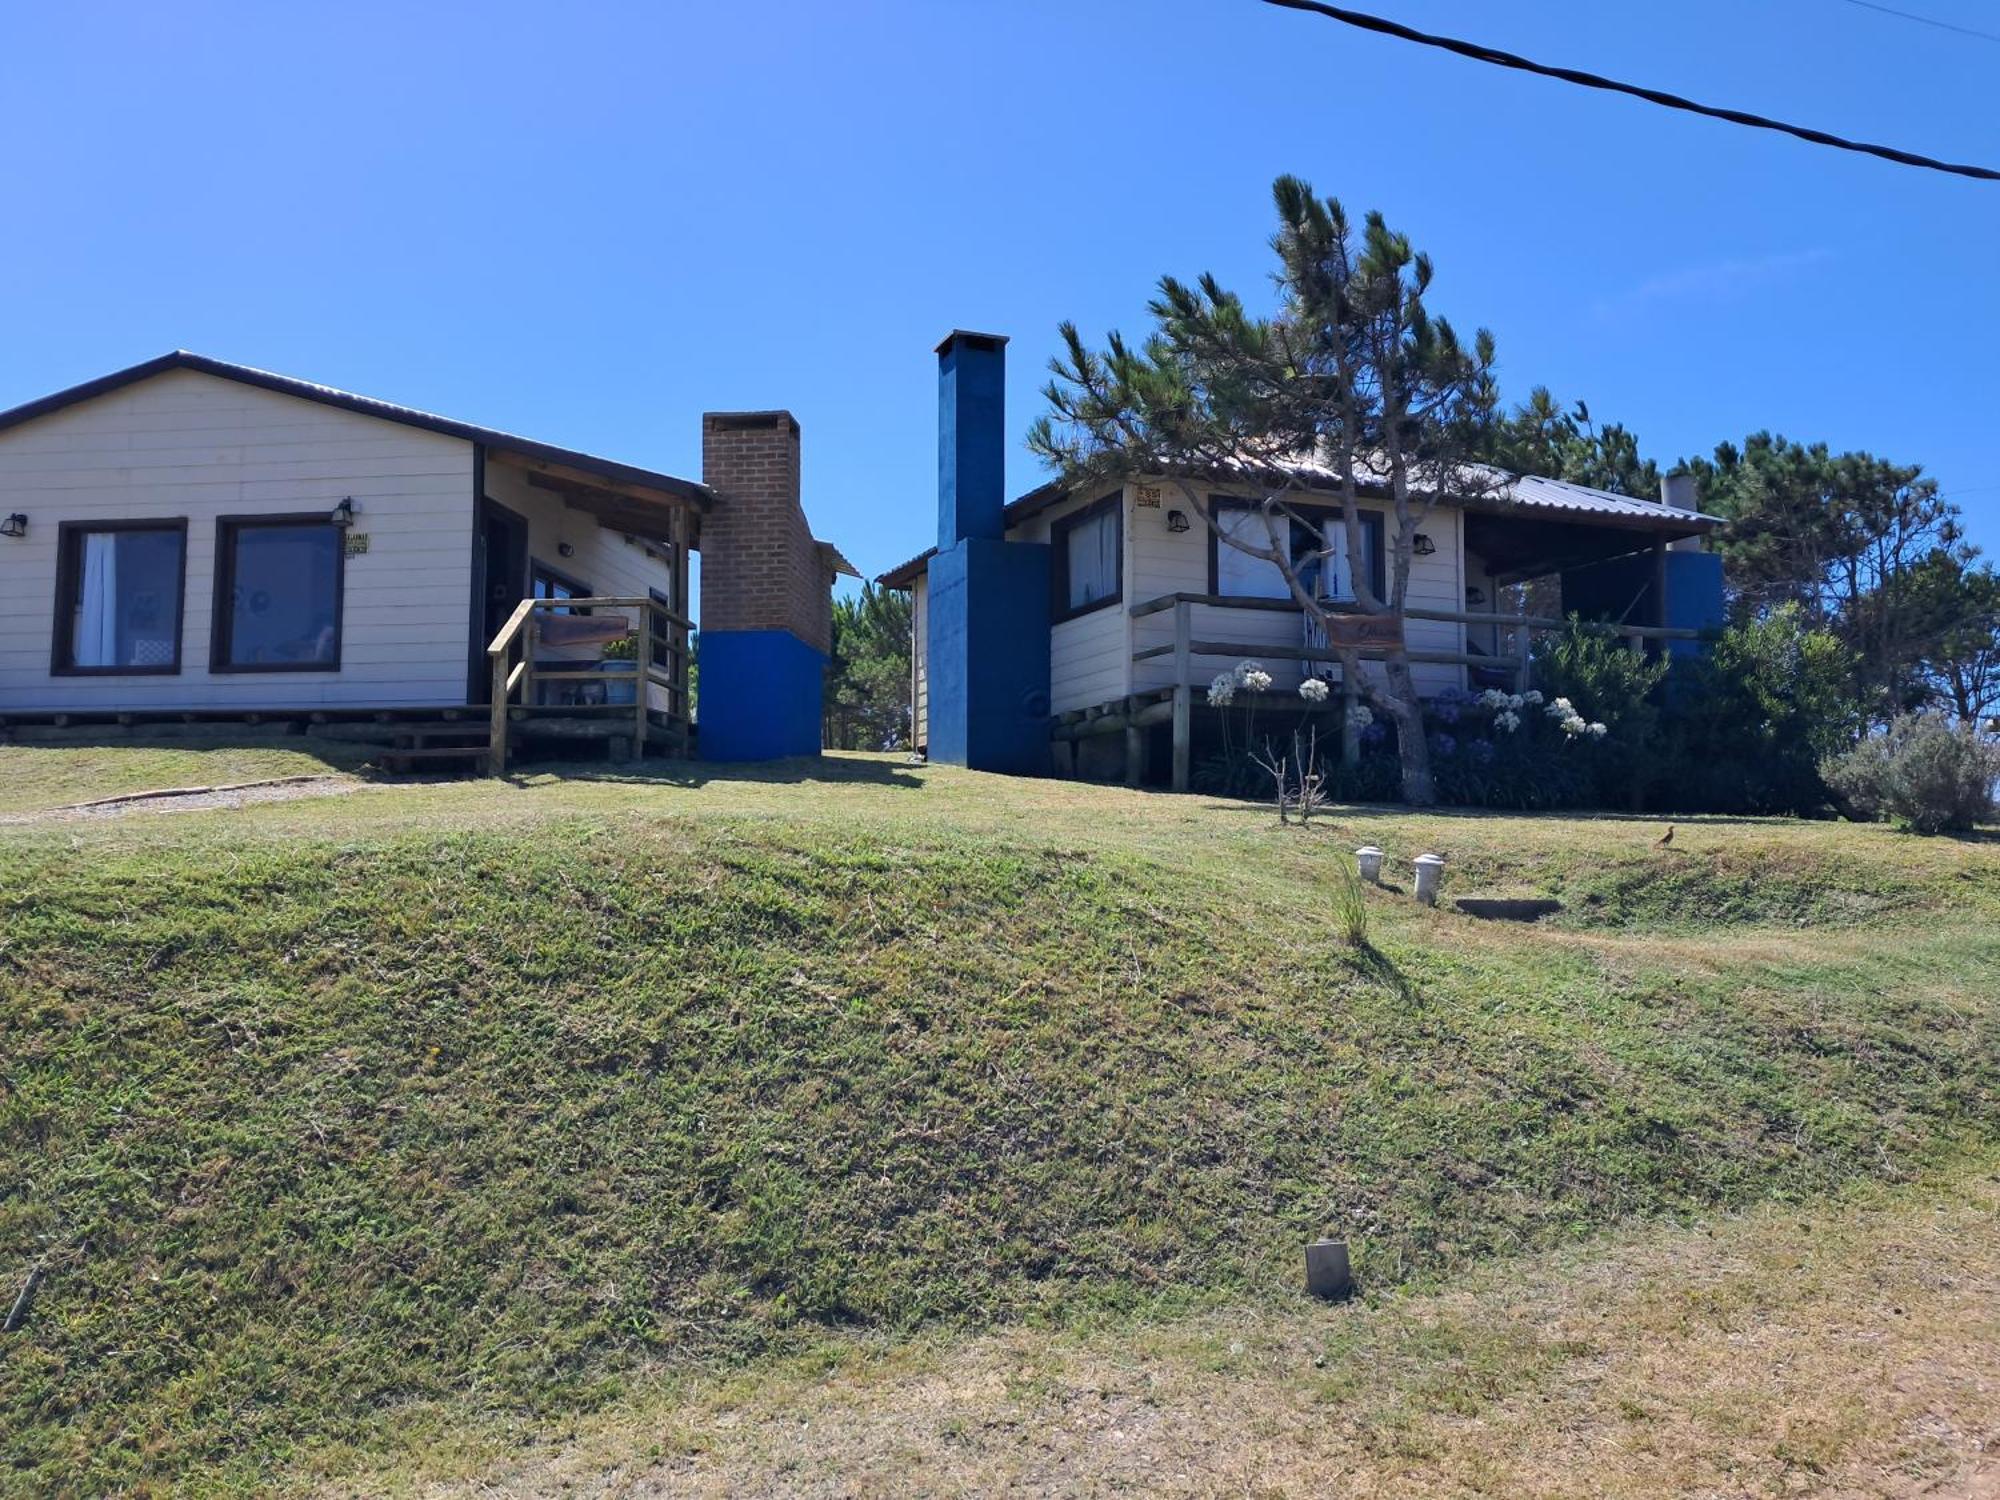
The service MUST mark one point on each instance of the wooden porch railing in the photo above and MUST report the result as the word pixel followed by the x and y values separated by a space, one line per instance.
pixel 1144 709
pixel 518 671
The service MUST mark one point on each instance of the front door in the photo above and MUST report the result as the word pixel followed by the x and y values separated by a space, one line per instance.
pixel 500 563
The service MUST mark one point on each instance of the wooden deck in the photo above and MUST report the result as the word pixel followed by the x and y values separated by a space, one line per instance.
pixel 1134 713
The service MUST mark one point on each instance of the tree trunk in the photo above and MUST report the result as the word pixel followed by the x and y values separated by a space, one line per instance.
pixel 1413 750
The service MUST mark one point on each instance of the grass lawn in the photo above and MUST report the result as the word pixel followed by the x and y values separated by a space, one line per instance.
pixel 35 778
pixel 360 1138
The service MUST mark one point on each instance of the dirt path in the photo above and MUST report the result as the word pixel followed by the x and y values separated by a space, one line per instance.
pixel 194 798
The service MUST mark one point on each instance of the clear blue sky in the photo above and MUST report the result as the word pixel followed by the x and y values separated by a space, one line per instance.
pixel 590 222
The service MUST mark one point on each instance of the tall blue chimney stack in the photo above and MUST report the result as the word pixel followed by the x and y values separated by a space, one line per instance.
pixel 972 437
pixel 987 615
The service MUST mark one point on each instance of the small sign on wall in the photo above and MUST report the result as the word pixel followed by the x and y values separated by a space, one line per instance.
pixel 356 543
pixel 1148 497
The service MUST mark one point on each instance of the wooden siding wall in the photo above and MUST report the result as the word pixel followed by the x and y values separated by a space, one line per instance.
pixel 187 444
pixel 1159 562
pixel 1090 656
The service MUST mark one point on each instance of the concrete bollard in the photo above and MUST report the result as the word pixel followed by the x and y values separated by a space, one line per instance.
pixel 1368 859
pixel 1327 1272
pixel 1430 870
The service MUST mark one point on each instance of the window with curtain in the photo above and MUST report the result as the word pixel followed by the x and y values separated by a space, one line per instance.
pixel 1320 555
pixel 1337 571
pixel 1089 557
pixel 278 585
pixel 119 597
pixel 1239 574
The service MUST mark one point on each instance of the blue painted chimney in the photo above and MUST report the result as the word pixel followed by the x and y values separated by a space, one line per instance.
pixel 987 610
pixel 972 437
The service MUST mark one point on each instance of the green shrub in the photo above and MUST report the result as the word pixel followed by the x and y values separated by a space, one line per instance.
pixel 1747 724
pixel 1620 688
pixel 1923 773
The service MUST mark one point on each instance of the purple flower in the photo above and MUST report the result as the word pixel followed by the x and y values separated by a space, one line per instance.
pixel 1481 751
pixel 1374 733
pixel 1442 744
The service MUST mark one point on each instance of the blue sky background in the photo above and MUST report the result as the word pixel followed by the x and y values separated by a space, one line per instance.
pixel 588 223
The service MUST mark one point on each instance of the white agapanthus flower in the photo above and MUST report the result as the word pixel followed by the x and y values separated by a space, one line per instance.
pixel 1597 730
pixel 1494 699
pixel 1574 726
pixel 1516 702
pixel 1256 680
pixel 1532 697
pixel 1507 720
pixel 1222 690
pixel 1363 716
pixel 1313 690
pixel 1562 708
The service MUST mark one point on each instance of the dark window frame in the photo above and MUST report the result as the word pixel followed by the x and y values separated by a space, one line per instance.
pixel 1372 521
pixel 1059 531
pixel 578 589
pixel 69 581
pixel 222 623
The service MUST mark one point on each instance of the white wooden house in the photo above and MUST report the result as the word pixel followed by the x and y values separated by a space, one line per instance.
pixel 1147 603
pixel 190 539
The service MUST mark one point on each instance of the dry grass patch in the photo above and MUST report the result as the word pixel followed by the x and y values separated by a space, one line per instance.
pixel 1851 1351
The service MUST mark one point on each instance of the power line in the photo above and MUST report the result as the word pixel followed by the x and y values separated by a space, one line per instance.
pixel 1910 15
pixel 1479 53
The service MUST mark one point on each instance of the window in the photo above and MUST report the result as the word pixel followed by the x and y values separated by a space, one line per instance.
pixel 1239 574
pixel 1337 573
pixel 118 597
pixel 1089 557
pixel 544 582
pixel 277 594
pixel 1319 554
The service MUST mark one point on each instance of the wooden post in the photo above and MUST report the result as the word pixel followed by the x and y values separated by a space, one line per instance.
pixel 1523 651
pixel 1350 699
pixel 531 634
pixel 496 741
pixel 642 676
pixel 1135 754
pixel 1183 697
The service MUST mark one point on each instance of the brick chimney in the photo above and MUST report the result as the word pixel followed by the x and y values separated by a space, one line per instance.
pixel 765 621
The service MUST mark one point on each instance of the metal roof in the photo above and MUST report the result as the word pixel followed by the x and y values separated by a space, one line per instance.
pixel 181 359
pixel 1494 491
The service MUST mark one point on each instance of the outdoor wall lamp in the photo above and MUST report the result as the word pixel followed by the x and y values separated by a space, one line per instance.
pixel 343 513
pixel 14 525
pixel 1177 521
pixel 564 549
pixel 1422 545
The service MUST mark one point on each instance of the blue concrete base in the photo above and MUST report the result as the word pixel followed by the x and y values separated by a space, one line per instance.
pixel 987 656
pixel 760 696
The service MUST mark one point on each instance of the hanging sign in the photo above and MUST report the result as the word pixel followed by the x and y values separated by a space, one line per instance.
pixel 1363 632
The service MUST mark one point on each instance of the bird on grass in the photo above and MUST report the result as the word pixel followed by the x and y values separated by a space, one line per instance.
pixel 1665 840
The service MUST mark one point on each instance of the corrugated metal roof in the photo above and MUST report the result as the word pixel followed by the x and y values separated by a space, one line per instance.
pixel 1492 490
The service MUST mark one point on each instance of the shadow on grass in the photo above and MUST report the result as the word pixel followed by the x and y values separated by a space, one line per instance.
pixel 798 771
pixel 1378 966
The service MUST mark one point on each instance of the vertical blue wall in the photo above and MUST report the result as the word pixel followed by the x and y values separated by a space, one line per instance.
pixel 987 650
pixel 1694 597
pixel 761 693
pixel 988 656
